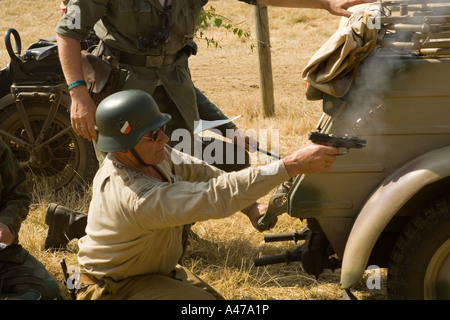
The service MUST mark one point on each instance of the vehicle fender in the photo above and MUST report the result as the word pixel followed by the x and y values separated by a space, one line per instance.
pixel 383 205
pixel 6 100
pixel 10 99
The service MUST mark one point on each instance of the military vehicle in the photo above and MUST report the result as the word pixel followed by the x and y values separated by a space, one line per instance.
pixel 387 203
pixel 34 116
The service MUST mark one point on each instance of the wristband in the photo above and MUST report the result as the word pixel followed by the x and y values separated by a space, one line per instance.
pixel 76 84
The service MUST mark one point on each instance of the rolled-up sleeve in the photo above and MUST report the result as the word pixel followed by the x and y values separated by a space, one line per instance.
pixel 80 17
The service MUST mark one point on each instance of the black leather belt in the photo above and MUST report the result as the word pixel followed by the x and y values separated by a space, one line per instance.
pixel 147 61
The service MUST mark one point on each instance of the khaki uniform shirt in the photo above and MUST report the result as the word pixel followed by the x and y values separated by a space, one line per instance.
pixel 135 221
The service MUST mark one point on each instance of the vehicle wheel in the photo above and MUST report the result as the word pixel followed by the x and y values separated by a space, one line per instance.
pixel 420 262
pixel 67 161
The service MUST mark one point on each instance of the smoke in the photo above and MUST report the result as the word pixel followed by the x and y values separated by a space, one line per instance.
pixel 365 101
pixel 386 64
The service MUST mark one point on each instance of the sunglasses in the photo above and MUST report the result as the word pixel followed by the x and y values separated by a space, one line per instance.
pixel 153 135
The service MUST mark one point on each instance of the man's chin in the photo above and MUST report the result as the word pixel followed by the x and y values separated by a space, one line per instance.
pixel 161 156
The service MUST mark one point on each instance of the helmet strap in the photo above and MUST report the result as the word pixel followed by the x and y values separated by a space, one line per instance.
pixel 138 158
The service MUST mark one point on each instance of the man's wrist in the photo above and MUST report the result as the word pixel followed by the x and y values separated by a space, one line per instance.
pixel 76 83
pixel 291 166
pixel 79 91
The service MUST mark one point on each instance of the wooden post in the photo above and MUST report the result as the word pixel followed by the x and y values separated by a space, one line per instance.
pixel 265 61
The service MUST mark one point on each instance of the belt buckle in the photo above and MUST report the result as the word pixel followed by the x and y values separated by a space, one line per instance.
pixel 154 61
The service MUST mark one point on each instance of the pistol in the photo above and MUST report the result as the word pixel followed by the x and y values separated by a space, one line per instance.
pixel 337 142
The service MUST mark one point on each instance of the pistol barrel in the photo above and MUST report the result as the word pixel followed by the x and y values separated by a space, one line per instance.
pixel 337 142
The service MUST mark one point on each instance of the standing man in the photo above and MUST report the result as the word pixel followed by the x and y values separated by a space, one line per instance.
pixel 145 192
pixel 145 37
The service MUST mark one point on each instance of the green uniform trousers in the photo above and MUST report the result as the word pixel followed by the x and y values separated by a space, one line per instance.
pixel 24 277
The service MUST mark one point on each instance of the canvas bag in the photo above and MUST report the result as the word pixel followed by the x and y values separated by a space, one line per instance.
pixel 101 77
pixel 335 66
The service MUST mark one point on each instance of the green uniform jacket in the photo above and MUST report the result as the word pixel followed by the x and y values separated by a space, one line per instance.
pixel 120 28
pixel 14 196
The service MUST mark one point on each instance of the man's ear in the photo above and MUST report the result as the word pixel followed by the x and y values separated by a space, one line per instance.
pixel 123 153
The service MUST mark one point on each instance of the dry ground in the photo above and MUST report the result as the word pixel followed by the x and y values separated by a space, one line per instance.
pixel 224 251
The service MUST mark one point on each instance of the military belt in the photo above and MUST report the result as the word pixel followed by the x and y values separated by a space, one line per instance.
pixel 147 61
pixel 88 279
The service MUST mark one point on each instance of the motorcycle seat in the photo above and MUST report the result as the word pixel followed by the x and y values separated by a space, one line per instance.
pixel 40 53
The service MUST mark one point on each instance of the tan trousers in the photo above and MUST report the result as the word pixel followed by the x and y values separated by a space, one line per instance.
pixel 181 285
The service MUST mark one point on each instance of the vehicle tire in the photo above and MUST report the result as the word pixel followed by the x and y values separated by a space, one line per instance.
pixel 420 261
pixel 68 161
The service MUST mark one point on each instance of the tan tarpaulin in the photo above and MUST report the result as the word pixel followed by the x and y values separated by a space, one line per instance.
pixel 333 68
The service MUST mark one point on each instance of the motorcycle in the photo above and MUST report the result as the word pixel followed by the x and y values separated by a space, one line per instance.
pixel 35 116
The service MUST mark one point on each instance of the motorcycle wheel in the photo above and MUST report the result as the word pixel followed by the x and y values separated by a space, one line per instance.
pixel 68 161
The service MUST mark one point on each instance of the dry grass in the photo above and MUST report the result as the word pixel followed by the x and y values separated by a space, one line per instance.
pixel 224 251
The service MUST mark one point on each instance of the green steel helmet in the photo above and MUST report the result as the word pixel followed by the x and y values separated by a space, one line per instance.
pixel 124 117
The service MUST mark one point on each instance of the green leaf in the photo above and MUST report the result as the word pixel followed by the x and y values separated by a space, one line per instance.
pixel 208 18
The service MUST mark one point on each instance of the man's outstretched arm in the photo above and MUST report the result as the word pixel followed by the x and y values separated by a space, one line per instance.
pixel 336 7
